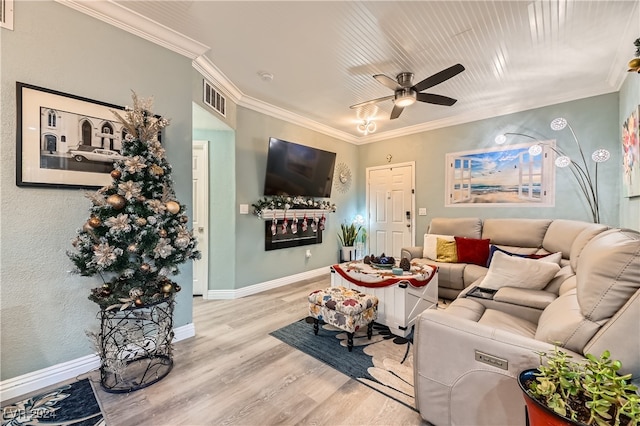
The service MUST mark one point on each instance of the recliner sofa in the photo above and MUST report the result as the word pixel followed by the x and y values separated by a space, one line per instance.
pixel 516 235
pixel 467 357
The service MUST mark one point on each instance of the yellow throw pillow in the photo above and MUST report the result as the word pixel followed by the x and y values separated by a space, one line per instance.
pixel 446 251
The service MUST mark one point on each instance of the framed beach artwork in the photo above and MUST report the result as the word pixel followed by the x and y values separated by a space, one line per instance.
pixel 631 154
pixel 63 140
pixel 514 175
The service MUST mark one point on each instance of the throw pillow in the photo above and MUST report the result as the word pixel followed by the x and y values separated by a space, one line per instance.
pixel 514 271
pixel 446 251
pixel 429 249
pixel 550 257
pixel 472 250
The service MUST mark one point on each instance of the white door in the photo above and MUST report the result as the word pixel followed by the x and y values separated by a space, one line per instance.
pixel 390 204
pixel 201 216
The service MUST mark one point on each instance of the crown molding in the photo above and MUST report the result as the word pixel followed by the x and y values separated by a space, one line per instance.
pixel 141 26
pixel 283 114
pixel 216 77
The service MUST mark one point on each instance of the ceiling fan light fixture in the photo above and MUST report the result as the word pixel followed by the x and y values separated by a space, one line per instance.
pixel 404 97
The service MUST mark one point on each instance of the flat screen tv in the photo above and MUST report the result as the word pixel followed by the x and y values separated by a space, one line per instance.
pixel 294 169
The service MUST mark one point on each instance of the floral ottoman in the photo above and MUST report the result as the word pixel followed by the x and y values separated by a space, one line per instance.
pixel 343 308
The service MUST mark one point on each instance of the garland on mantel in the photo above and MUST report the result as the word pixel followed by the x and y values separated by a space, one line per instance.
pixel 283 202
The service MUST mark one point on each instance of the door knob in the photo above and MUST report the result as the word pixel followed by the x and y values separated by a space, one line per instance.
pixel 201 229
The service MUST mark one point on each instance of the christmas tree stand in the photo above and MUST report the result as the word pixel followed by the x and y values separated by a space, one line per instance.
pixel 135 346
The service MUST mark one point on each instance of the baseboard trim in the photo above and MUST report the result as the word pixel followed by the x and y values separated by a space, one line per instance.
pixel 49 376
pixel 267 285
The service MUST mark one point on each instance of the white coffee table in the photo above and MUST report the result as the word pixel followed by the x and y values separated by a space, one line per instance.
pixel 401 298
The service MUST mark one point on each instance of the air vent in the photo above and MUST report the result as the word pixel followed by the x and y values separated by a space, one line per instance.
pixel 6 14
pixel 215 99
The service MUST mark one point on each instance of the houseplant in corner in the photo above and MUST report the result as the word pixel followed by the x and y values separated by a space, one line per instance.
pixel 348 236
pixel 565 392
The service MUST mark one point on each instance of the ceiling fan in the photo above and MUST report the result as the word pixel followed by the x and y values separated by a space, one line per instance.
pixel 406 93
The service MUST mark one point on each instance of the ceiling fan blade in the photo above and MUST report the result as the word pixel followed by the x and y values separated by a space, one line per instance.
pixel 395 112
pixel 435 99
pixel 387 81
pixel 439 77
pixel 372 101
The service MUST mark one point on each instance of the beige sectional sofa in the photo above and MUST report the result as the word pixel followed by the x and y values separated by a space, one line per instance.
pixel 467 357
pixel 522 236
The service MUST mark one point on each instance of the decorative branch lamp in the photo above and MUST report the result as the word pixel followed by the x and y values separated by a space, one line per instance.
pixel 580 170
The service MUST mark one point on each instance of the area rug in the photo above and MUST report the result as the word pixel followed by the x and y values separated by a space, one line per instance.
pixel 384 363
pixel 73 404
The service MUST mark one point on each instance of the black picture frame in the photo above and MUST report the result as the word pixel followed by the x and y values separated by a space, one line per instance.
pixel 63 140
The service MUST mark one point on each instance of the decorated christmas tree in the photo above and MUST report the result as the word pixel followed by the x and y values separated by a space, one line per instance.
pixel 136 234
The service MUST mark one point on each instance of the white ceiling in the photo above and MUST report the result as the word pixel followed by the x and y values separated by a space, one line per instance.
pixel 322 54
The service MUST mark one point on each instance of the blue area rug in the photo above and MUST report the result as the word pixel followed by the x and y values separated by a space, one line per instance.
pixel 384 363
pixel 73 404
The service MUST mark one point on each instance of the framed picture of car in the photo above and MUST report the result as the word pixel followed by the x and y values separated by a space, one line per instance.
pixel 63 140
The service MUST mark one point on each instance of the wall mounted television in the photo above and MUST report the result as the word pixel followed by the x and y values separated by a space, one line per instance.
pixel 294 169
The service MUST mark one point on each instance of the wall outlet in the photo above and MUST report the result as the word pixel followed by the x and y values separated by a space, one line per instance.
pixel 422 211
pixel 308 254
pixel 244 208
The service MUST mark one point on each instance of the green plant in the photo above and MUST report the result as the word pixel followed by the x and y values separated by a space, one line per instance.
pixel 349 234
pixel 590 392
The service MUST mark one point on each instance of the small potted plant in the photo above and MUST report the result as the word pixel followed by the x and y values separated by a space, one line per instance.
pixel 565 392
pixel 348 236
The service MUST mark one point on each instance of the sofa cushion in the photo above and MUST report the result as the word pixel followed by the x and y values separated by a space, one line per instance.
pixel 466 308
pixel 562 233
pixel 446 251
pixel 608 273
pixel 470 227
pixel 515 232
pixel 562 324
pixel 507 322
pixel 431 243
pixel 473 273
pixel 511 271
pixel 450 275
pixel 582 239
pixel 472 250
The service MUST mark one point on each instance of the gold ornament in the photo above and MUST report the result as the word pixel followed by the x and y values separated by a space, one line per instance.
pixel 178 288
pixel 94 221
pixel 116 201
pixel 167 288
pixel 157 170
pixel 173 207
pixel 116 174
pixel 138 302
pixel 184 219
pixel 132 248
pixel 145 267
pixel 141 221
pixel 634 65
pixel 162 233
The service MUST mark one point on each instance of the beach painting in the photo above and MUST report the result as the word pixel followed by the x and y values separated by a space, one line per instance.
pixel 631 154
pixel 513 175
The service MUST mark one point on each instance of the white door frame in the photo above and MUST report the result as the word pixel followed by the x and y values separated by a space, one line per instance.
pixel 412 164
pixel 201 212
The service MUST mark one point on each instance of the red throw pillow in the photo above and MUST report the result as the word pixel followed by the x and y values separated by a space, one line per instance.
pixel 472 250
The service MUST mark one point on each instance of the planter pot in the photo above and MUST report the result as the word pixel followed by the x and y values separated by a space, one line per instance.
pixel 135 346
pixel 539 414
pixel 348 254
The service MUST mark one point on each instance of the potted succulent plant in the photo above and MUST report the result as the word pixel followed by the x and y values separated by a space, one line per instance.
pixel 348 236
pixel 565 392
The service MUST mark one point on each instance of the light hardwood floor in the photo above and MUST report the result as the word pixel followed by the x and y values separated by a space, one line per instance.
pixel 234 373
